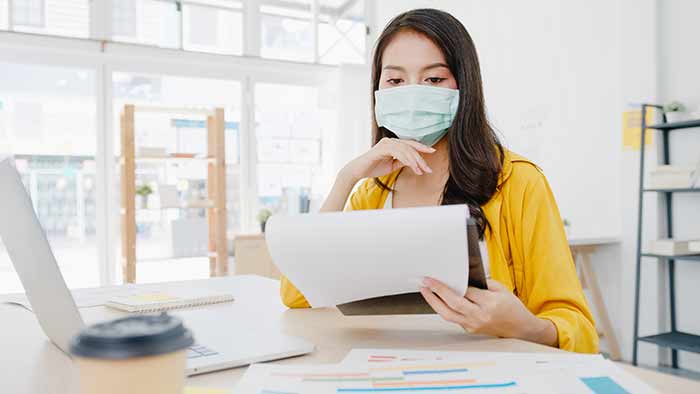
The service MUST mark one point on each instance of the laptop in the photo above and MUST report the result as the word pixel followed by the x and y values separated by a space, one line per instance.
pixel 223 340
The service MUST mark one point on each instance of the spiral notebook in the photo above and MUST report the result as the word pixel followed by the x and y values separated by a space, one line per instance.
pixel 143 301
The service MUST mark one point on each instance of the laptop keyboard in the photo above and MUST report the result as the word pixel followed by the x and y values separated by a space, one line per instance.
pixel 196 351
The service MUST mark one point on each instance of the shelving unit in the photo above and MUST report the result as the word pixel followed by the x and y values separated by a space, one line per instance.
pixel 171 158
pixel 215 203
pixel 694 190
pixel 674 339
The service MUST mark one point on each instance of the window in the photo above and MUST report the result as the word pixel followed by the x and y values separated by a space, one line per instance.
pixel 286 28
pixel 213 26
pixel 290 126
pixel 124 18
pixel 4 15
pixel 54 17
pixel 151 22
pixel 160 251
pixel 28 13
pixel 341 33
pixel 48 121
pixel 287 32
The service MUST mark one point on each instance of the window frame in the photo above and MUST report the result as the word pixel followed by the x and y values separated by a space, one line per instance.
pixel 102 28
pixel 11 15
pixel 105 59
pixel 237 10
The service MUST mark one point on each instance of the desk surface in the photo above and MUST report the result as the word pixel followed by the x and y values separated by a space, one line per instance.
pixel 30 364
pixel 573 241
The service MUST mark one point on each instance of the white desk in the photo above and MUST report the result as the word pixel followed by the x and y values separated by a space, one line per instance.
pixel 29 364
pixel 587 241
pixel 581 250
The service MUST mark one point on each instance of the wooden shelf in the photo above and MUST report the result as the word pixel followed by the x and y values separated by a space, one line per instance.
pixel 205 204
pixel 168 159
pixel 171 258
pixel 215 200
pixel 194 206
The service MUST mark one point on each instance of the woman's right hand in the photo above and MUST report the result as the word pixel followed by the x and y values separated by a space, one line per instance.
pixel 387 156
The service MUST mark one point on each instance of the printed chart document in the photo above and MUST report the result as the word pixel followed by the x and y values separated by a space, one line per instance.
pixel 339 257
pixel 493 373
pixel 377 356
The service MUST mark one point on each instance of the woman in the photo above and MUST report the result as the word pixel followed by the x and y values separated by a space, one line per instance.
pixel 433 145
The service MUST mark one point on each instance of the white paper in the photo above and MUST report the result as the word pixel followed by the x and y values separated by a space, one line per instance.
pixel 492 373
pixel 540 372
pixel 339 257
pixel 84 298
pixel 379 356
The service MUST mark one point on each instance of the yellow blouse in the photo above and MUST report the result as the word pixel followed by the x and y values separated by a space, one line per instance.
pixel 527 246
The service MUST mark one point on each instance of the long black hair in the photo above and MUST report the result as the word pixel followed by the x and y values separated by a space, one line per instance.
pixel 475 153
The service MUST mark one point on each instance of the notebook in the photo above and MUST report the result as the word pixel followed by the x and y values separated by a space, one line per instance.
pixel 143 301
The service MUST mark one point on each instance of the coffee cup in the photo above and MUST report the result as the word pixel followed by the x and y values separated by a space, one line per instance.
pixel 140 354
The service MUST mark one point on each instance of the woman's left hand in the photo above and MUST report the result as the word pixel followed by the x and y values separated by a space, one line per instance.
pixel 496 311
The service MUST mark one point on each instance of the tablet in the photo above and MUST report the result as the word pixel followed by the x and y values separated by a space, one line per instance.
pixel 414 303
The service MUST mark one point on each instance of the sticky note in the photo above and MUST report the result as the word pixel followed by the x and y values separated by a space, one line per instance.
pixel 631 129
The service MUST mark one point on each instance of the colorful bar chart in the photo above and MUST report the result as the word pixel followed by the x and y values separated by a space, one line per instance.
pixel 434 387
pixel 603 385
pixel 467 373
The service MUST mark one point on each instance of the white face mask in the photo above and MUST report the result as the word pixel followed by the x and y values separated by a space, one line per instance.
pixel 416 112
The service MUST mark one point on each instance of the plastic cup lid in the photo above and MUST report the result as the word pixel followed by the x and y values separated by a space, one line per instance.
pixel 133 336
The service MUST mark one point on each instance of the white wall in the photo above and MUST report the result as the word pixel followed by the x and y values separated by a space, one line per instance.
pixel 544 70
pixel 561 73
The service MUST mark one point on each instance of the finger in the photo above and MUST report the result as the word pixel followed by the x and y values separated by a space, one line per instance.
pixel 478 296
pixel 412 146
pixel 406 159
pixel 418 146
pixel 495 285
pixel 440 307
pixel 416 162
pixel 396 164
pixel 452 299
pixel 420 162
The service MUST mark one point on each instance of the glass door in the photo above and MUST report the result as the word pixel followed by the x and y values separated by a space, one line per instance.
pixel 48 122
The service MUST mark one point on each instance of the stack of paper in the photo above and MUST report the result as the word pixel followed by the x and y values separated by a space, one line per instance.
pixel 672 247
pixel 406 371
pixel 672 177
pixel 694 246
